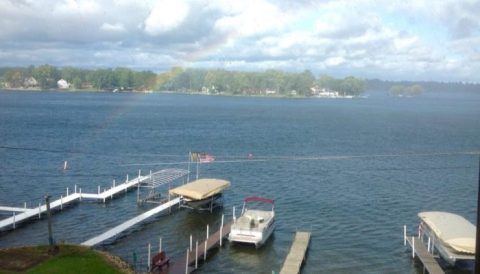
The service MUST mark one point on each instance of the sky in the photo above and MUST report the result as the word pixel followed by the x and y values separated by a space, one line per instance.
pixel 389 40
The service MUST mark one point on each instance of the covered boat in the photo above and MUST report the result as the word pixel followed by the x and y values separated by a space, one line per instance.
pixel 255 225
pixel 202 193
pixel 452 235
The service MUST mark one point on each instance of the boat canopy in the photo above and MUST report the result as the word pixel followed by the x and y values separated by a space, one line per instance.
pixel 258 199
pixel 201 189
pixel 452 229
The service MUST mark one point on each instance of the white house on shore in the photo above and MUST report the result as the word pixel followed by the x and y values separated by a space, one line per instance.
pixel 63 84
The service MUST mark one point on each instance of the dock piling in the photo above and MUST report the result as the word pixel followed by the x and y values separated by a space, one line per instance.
pixel 191 242
pixel 234 217
pixel 160 245
pixel 405 235
pixel 149 255
pixel 186 263
pixel 126 181
pixel 67 191
pixel 207 230
pixel 14 220
pixel 113 183
pixel 39 211
pixel 205 251
pixel 80 194
pixel 196 254
pixel 61 202
pixel 25 205
pixel 413 247
pixel 221 230
pixel 75 188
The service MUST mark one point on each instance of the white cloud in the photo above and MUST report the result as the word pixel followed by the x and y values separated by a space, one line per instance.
pixel 166 16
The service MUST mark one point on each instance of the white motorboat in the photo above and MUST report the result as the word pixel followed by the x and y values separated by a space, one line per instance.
pixel 451 235
pixel 255 225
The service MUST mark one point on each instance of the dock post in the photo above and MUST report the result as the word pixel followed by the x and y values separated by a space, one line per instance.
pixel 234 217
pixel 428 245
pixel 80 194
pixel 196 254
pixel 39 211
pixel 139 174
pixel 413 247
pixel 67 191
pixel 149 260
pixel 25 205
pixel 191 243
pixel 75 188
pixel 113 183
pixel 221 231
pixel 151 180
pixel 61 202
pixel 205 251
pixel 186 264
pixel 138 193
pixel 404 235
pixel 14 220
pixel 160 245
pixel 207 230
pixel 98 189
pixel 126 181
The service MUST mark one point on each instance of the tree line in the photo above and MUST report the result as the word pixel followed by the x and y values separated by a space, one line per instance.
pixel 47 76
pixel 211 81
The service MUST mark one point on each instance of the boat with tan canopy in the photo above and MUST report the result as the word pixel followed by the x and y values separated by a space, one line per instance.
pixel 451 235
pixel 202 193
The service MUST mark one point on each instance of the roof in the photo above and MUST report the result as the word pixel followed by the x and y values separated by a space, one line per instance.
pixel 452 229
pixel 201 189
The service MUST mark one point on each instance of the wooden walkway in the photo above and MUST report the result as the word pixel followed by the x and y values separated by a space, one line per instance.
pixel 180 266
pixel 296 256
pixel 429 262
pixel 128 224
pixel 30 213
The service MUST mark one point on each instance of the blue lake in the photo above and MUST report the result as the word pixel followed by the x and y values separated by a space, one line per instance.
pixel 396 157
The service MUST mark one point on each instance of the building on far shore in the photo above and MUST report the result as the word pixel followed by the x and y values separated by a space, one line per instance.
pixel 63 84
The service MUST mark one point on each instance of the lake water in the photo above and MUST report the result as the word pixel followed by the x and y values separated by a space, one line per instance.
pixel 414 154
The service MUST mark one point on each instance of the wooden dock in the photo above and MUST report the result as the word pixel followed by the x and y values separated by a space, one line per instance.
pixel 296 256
pixel 29 213
pixel 188 263
pixel 418 248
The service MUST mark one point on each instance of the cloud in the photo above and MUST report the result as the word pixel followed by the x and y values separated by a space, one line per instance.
pixel 367 38
pixel 166 16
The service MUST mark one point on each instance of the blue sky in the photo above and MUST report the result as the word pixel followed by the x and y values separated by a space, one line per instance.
pixel 391 40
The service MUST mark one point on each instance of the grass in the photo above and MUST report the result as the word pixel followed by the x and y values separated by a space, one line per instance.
pixel 69 259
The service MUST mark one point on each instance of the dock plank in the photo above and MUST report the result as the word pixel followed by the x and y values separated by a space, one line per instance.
pixel 130 223
pixel 430 263
pixel 295 257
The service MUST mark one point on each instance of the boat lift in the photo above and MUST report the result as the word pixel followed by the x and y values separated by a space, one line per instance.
pixel 149 191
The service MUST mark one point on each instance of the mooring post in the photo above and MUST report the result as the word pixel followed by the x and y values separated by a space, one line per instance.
pixel 14 220
pixel 428 245
pixel 413 247
pixel 149 260
pixel 25 205
pixel 39 210
pixel 404 235
pixel 49 218
pixel 61 202
pixel 207 230
pixel 75 188
pixel 221 231
pixel 186 264
pixel 113 183
pixel 196 254
pixel 80 194
pixel 99 189
pixel 205 251
pixel 160 245
pixel 191 243
pixel 139 175
pixel 151 179
pixel 138 193
pixel 234 217
pixel 126 181
pixel 67 191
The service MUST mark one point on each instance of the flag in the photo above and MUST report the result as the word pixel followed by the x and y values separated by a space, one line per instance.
pixel 206 158
pixel 201 157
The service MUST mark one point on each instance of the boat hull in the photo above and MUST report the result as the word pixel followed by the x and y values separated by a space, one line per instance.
pixel 257 238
